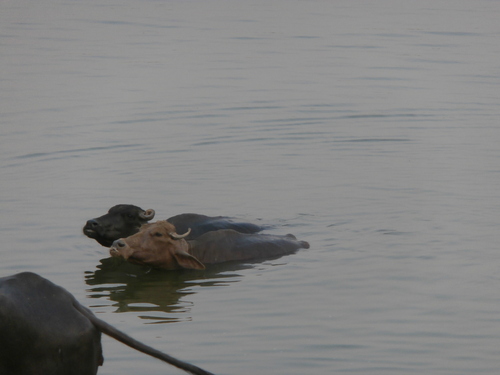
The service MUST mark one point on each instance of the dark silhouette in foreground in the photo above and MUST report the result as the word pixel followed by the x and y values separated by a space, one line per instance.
pixel 44 330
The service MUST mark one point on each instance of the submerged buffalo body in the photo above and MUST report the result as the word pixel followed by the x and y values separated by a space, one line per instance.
pixel 44 330
pixel 158 245
pixel 201 224
pixel 124 220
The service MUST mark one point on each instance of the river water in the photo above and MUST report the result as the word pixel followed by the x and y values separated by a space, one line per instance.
pixel 367 128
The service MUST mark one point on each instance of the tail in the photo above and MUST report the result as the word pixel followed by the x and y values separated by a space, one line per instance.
pixel 133 343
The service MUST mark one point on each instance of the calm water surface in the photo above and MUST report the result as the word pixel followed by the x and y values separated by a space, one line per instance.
pixel 369 129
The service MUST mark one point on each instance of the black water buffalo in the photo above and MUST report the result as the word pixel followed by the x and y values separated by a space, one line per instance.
pixel 159 246
pixel 44 330
pixel 124 220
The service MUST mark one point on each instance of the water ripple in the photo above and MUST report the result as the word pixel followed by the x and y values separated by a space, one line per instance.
pixel 72 151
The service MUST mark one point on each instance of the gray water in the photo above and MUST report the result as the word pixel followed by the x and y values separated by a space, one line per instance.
pixel 368 128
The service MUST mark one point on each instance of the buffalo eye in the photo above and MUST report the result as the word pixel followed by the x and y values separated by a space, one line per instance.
pixel 157 234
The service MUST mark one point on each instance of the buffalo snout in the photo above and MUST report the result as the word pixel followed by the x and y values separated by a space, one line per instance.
pixel 119 244
pixel 91 226
pixel 118 249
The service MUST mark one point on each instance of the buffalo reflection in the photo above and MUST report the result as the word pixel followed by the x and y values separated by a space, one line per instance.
pixel 142 289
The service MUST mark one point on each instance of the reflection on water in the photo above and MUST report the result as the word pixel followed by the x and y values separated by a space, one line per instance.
pixel 157 293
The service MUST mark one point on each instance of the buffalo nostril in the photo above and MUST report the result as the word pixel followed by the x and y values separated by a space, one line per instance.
pixel 119 244
pixel 92 224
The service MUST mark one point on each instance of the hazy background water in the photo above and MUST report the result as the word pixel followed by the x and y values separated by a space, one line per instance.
pixel 368 128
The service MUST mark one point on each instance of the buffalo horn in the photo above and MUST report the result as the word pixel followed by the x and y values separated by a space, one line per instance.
pixel 176 236
pixel 148 214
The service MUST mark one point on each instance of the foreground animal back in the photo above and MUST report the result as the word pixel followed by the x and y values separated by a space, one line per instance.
pixel 45 331
pixel 37 336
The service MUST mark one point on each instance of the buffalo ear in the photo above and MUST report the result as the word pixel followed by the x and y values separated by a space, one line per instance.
pixel 188 261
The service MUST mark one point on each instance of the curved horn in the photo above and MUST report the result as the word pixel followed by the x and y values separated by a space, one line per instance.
pixel 176 236
pixel 148 214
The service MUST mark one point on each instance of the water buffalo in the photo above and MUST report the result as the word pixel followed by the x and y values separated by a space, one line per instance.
pixel 159 246
pixel 123 220
pixel 44 330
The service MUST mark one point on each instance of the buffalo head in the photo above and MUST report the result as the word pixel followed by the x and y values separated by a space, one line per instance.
pixel 157 245
pixel 121 220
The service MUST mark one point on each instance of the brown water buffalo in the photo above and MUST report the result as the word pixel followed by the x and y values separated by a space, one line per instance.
pixel 44 330
pixel 158 245
pixel 123 220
